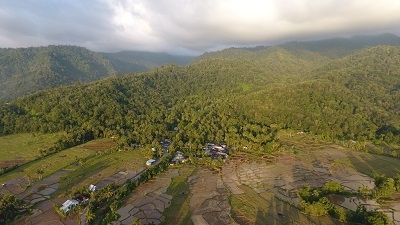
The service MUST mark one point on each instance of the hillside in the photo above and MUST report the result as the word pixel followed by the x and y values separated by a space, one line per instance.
pixel 24 71
pixel 137 61
pixel 351 97
pixel 338 47
pixel 27 70
pixel 239 101
pixel 313 50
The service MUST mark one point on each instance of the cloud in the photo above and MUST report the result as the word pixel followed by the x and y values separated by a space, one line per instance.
pixel 188 25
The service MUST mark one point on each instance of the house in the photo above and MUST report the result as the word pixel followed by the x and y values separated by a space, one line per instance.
pixel 178 158
pixel 68 205
pixel 150 162
pixel 82 199
pixel 165 143
pixel 216 151
pixel 92 187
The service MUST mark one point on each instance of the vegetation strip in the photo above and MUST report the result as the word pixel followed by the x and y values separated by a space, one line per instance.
pixel 104 203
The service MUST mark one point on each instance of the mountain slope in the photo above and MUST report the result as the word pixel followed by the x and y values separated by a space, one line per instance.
pixel 27 70
pixel 228 100
pixel 337 47
pixel 353 97
pixel 135 61
pixel 317 50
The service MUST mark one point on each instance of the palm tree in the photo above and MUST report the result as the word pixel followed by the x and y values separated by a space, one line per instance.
pixel 89 216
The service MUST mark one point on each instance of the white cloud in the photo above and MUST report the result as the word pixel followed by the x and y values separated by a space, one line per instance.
pixel 188 25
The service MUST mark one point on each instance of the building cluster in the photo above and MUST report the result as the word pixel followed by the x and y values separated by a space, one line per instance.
pixel 178 158
pixel 165 143
pixel 72 203
pixel 216 151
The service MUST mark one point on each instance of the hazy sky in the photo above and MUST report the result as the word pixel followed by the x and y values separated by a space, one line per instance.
pixel 188 26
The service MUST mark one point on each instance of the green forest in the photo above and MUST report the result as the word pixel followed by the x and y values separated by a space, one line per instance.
pixel 236 96
pixel 27 70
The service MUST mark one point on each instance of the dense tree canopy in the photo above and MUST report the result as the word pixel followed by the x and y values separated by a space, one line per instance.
pixel 27 70
pixel 236 96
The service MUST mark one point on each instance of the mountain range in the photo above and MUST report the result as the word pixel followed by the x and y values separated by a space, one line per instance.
pixel 27 70
pixel 237 96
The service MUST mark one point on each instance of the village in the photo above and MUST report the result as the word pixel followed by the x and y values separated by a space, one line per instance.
pixel 275 183
pixel 212 150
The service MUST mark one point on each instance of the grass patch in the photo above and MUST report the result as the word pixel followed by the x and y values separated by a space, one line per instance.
pixel 25 146
pixel 371 164
pixel 178 212
pixel 103 165
pixel 246 87
pixel 249 207
pixel 50 164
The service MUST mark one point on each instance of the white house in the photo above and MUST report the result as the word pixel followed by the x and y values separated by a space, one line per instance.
pixel 150 162
pixel 178 158
pixel 92 187
pixel 68 205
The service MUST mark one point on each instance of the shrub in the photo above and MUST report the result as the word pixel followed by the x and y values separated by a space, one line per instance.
pixel 339 213
pixel 309 194
pixel 397 182
pixel 364 192
pixel 318 208
pixel 361 215
pixel 332 187
pixel 377 218
pixel 10 208
pixel 385 188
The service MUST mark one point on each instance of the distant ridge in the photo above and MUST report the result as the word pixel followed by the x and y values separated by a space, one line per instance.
pixel 135 61
pixel 336 47
pixel 27 70
pixel 333 47
pixel 231 96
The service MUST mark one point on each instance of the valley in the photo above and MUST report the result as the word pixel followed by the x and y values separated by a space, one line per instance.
pixel 244 189
pixel 286 134
pixel 215 112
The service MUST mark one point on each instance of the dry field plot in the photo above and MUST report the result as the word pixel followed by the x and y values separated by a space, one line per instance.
pixel 260 191
pixel 148 201
pixel 249 191
pixel 73 168
pixel 209 202
pixel 246 190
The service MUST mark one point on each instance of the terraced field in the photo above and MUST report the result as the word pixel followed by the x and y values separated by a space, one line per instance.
pixel 247 190
pixel 48 181
pixel 44 167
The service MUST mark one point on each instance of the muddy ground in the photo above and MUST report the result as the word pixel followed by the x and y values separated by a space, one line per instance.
pixel 273 185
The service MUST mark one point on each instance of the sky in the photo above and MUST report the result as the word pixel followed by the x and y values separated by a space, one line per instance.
pixel 188 26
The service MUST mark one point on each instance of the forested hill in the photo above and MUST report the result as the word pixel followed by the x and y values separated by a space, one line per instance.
pixel 138 61
pixel 27 70
pixel 240 99
pixel 337 47
pixel 328 48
